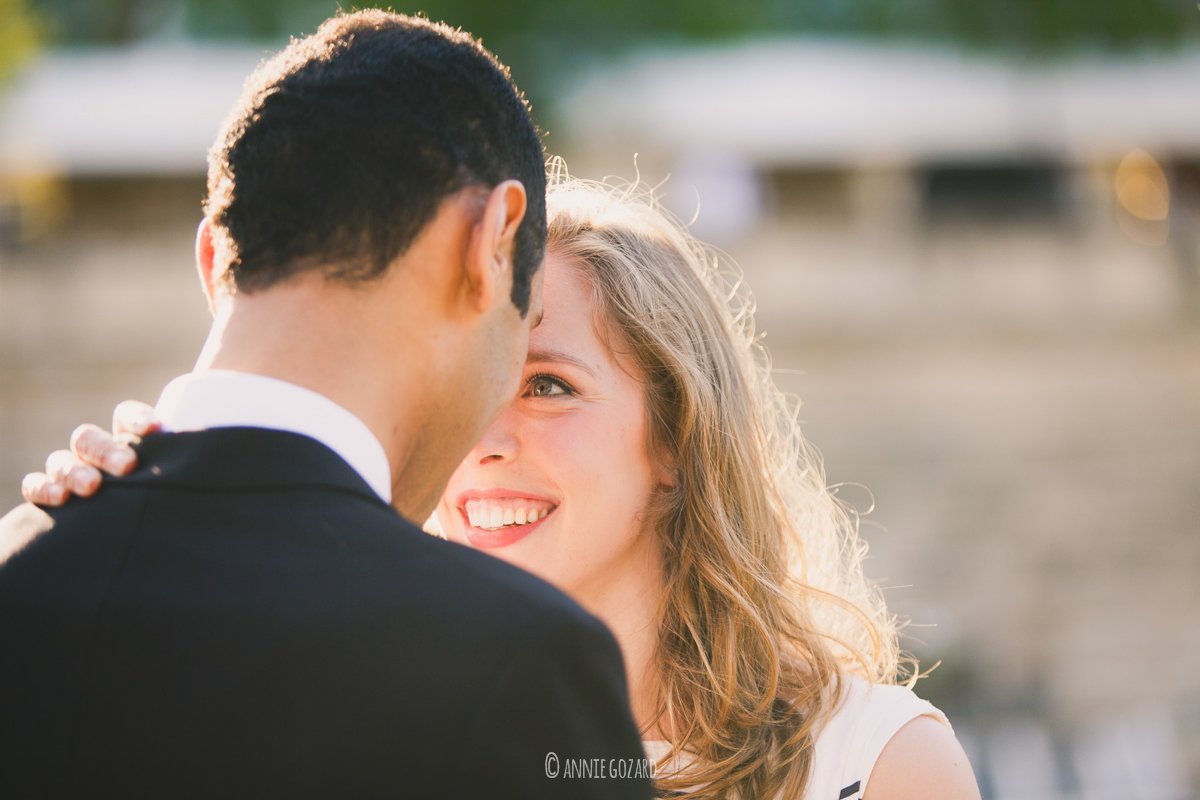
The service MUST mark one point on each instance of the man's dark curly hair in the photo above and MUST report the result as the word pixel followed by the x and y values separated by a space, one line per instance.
pixel 345 143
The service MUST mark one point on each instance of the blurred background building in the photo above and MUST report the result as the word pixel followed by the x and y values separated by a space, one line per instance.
pixel 972 229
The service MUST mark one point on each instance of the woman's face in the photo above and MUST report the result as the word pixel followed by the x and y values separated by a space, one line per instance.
pixel 559 483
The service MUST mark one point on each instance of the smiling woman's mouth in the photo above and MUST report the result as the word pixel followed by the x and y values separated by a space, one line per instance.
pixel 499 513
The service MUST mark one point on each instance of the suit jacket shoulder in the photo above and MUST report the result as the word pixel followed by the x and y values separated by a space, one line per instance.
pixel 244 616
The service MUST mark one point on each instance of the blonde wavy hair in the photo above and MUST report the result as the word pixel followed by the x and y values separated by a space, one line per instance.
pixel 766 607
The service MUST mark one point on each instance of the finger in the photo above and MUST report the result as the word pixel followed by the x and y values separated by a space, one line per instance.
pixel 59 464
pixel 90 443
pixel 98 448
pixel 134 417
pixel 84 480
pixel 37 488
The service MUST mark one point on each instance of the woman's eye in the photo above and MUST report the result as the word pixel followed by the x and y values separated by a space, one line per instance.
pixel 546 386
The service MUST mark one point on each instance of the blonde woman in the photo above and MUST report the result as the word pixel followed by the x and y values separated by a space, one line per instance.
pixel 650 469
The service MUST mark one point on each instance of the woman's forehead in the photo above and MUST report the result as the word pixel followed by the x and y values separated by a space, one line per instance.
pixel 567 307
pixel 572 325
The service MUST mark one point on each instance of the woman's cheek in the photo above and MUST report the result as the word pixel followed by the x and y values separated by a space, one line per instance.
pixel 563 442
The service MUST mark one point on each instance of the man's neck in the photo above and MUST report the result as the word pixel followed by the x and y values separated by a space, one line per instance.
pixel 300 335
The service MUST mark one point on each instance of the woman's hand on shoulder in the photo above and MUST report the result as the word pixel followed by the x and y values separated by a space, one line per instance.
pixel 923 760
pixel 93 451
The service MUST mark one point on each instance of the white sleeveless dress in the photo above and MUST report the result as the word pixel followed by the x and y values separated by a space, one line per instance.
pixel 850 742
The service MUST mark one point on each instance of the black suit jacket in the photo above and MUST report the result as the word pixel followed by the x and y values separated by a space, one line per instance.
pixel 243 616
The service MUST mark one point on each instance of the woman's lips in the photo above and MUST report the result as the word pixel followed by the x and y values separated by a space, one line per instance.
pixel 501 537
pixel 500 517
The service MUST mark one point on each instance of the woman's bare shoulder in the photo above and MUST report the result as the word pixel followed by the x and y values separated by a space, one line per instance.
pixel 923 760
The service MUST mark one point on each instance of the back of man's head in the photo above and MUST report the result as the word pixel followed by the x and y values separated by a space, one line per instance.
pixel 343 146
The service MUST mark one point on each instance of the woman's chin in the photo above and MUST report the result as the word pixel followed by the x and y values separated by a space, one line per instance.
pixel 454 533
pixel 520 552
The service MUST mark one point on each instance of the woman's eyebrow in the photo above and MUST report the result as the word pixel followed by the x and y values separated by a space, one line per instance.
pixel 541 355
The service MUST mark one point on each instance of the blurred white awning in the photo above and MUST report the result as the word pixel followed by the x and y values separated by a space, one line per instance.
pixel 155 108
pixel 149 109
pixel 839 102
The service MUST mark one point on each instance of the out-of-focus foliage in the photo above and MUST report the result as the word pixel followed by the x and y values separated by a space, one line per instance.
pixel 1032 25
pixel 122 21
pixel 542 39
pixel 18 35
pixel 1039 26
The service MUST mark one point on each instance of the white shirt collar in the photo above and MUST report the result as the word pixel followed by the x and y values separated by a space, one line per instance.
pixel 228 399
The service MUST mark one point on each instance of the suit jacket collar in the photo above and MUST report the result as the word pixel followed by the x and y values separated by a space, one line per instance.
pixel 222 398
pixel 245 458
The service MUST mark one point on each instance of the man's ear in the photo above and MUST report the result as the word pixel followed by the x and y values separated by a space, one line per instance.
pixel 489 258
pixel 204 263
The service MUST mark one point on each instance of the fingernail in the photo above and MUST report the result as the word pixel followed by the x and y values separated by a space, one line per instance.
pixel 58 495
pixel 119 461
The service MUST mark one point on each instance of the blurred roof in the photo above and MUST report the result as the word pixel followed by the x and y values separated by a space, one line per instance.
pixel 155 108
pixel 808 101
pixel 152 108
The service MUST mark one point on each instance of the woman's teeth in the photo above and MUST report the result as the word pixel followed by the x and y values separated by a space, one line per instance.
pixel 494 514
